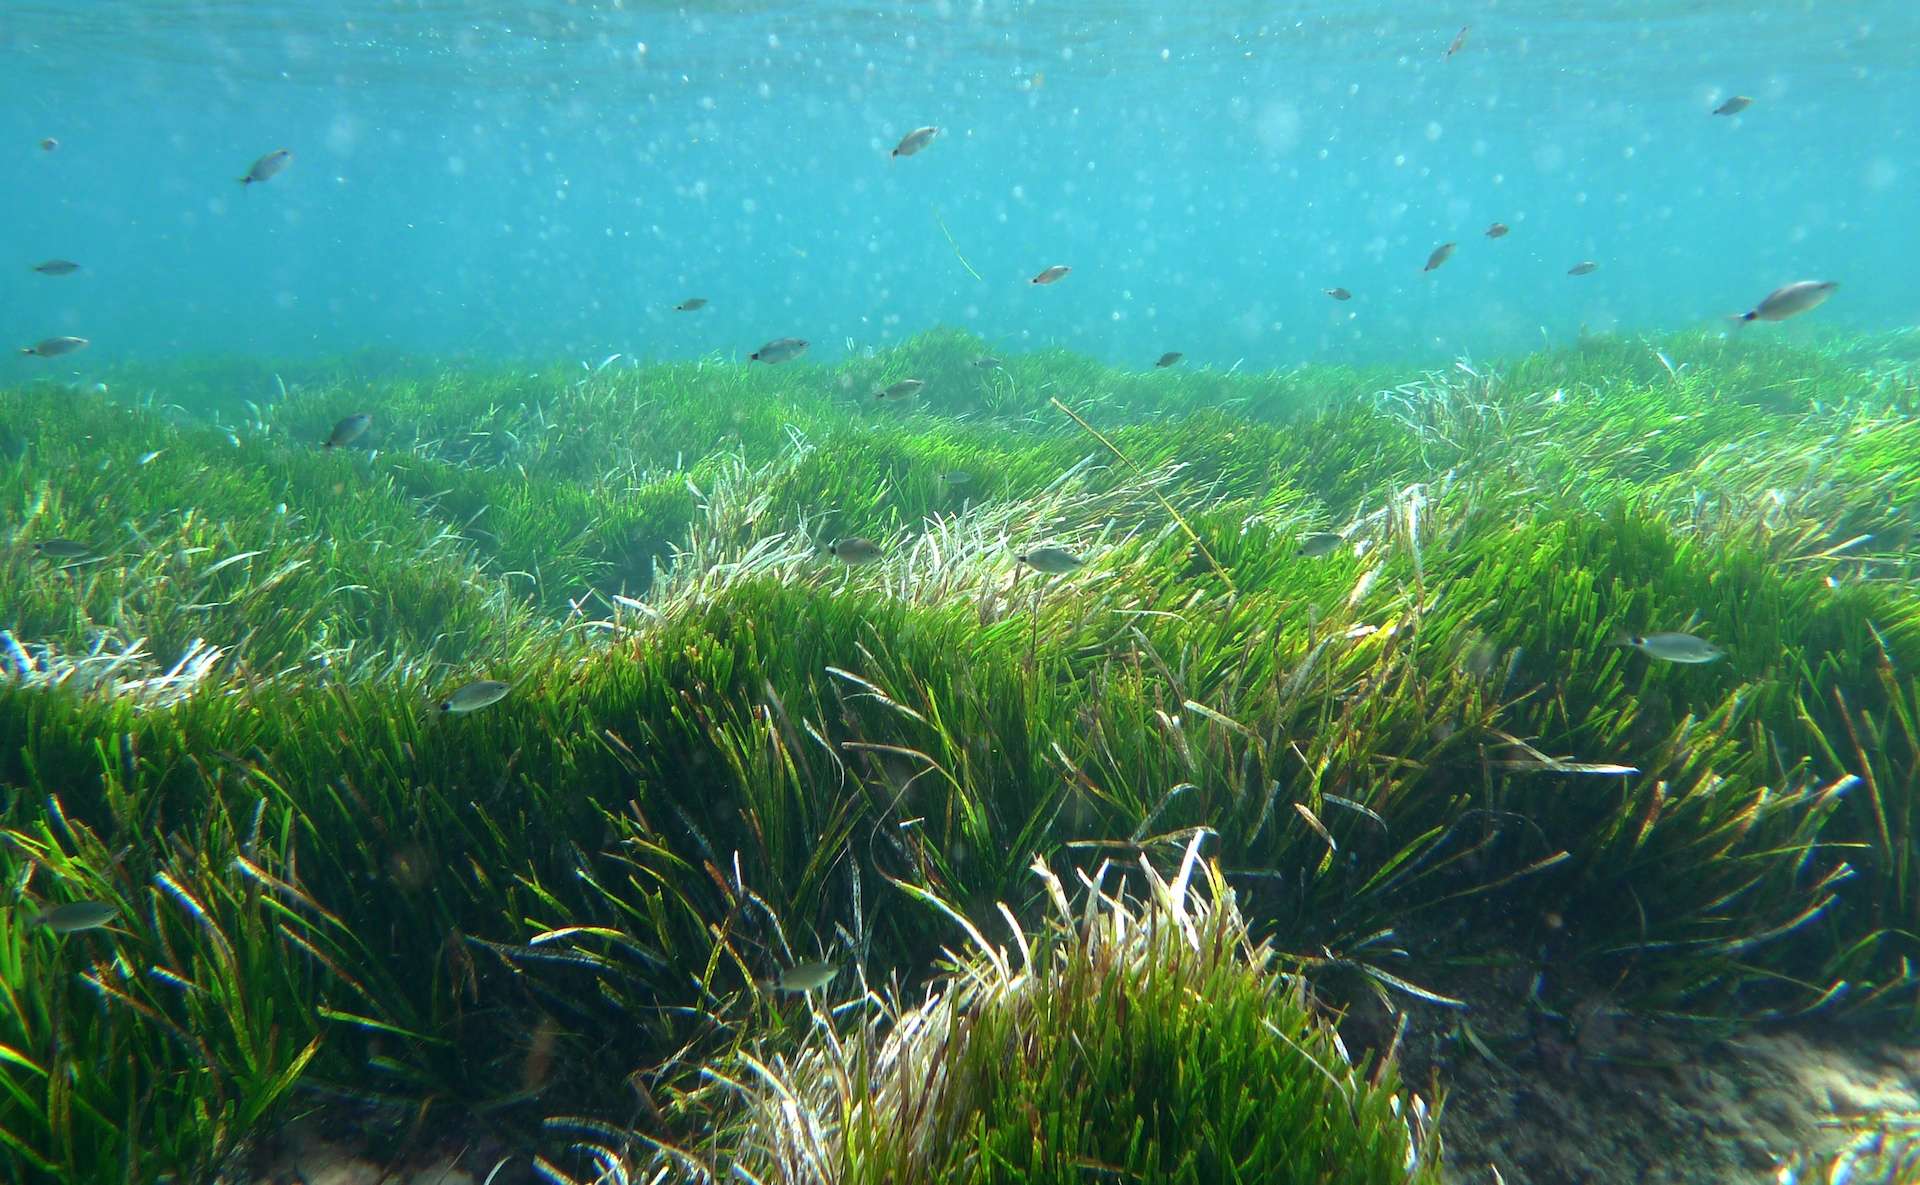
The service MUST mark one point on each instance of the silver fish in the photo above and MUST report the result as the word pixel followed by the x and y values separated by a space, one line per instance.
pixel 1439 256
pixel 1320 543
pixel 915 140
pixel 1733 106
pixel 1338 293
pixel 989 362
pixel 71 917
pixel 1498 230
pixel 780 349
pixel 268 167
pixel 810 976
pixel 62 549
pixel 1169 358
pixel 1791 300
pixel 904 389
pixel 957 479
pixel 1051 274
pixel 853 549
pixel 57 267
pixel 1584 267
pixel 1054 561
pixel 349 430
pixel 1459 41
pixel 476 695
pixel 691 304
pixel 1672 647
pixel 53 347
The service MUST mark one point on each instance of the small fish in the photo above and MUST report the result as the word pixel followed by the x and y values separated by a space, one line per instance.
pixel 1169 358
pixel 49 144
pixel 70 917
pixel 1054 561
pixel 1338 293
pixel 780 349
pixel 904 389
pixel 1672 647
pixel 1051 274
pixel 349 430
pixel 1584 267
pixel 53 347
pixel 957 479
pixel 1733 106
pixel 1439 256
pixel 1791 300
pixel 1459 40
pixel 62 549
pixel 57 267
pixel 810 976
pixel 1498 230
pixel 268 167
pixel 915 140
pixel 692 304
pixel 475 695
pixel 989 362
pixel 853 549
pixel 1319 543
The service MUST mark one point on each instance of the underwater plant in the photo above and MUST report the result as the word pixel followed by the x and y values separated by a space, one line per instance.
pixel 1145 1037
pixel 1357 626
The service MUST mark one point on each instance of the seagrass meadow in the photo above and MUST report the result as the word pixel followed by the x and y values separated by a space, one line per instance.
pixel 1373 781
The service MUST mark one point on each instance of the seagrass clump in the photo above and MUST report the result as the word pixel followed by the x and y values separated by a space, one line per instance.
pixel 1141 1037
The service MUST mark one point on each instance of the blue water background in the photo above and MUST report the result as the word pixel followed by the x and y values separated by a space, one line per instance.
pixel 543 181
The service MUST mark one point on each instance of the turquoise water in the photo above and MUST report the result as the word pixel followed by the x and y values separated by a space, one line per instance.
pixel 548 179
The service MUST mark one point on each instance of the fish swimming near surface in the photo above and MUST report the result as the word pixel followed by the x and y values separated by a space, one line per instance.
pixel 1790 300
pixel 71 917
pixel 1054 561
pixel 1169 358
pixel 691 305
pixel 1498 230
pixel 1459 41
pixel 1338 293
pixel 904 389
pixel 474 696
pixel 1319 543
pixel 349 430
pixel 268 167
pixel 1733 106
pixel 780 349
pixel 1439 256
pixel 49 144
pixel 810 976
pixel 915 140
pixel 1672 647
pixel 57 267
pixel 1584 267
pixel 53 347
pixel 1051 274
pixel 852 549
